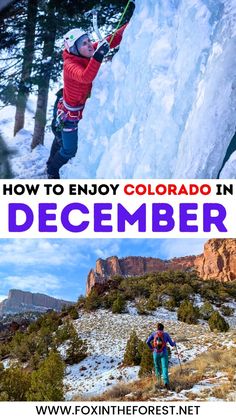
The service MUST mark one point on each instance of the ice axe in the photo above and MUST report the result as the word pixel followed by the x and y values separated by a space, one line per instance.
pixel 95 25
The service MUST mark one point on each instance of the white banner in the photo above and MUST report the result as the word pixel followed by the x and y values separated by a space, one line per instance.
pixel 90 410
pixel 111 208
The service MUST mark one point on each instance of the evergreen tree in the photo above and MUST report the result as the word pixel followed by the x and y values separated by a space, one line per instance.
pixel 27 64
pixel 47 381
pixel 119 304
pixel 73 313
pixel 206 310
pixel 14 384
pixel 146 364
pixel 218 323
pixel 48 40
pixel 77 349
pixel 188 313
pixel 132 351
pixel 5 168
pixel 93 301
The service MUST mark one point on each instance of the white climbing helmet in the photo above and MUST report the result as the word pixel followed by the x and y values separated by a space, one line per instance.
pixel 71 37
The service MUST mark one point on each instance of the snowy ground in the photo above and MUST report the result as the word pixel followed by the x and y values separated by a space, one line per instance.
pixel 107 335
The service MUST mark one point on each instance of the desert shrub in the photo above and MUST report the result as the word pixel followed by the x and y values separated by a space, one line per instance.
pixel 93 301
pixel 81 301
pixel 185 292
pixel 188 313
pixel 22 346
pixel 206 310
pixel 218 323
pixel 170 304
pixel 119 304
pixel 117 392
pixel 153 302
pixel 109 298
pixel 73 313
pixel 34 361
pixel 63 333
pixel 227 311
pixel 141 306
pixel 4 350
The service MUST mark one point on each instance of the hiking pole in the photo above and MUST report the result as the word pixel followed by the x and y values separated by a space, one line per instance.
pixel 121 18
pixel 178 357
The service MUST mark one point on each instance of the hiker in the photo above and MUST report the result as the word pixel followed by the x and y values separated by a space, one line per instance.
pixel 158 346
pixel 82 60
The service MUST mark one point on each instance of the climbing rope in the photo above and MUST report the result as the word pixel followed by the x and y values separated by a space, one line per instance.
pixel 121 18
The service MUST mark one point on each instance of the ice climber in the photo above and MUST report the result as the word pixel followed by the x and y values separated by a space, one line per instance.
pixel 81 62
pixel 157 343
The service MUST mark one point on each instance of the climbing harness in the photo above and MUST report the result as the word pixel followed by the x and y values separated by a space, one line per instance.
pixel 67 113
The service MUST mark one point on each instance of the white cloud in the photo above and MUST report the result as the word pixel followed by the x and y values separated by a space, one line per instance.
pixel 182 247
pixel 28 252
pixel 3 297
pixel 33 283
pixel 32 252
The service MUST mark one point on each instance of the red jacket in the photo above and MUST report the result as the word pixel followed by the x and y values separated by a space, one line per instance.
pixel 79 73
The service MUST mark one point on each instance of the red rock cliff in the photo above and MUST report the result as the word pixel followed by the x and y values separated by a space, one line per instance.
pixel 218 261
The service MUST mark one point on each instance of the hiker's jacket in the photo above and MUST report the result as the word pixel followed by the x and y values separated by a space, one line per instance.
pixel 79 73
pixel 167 339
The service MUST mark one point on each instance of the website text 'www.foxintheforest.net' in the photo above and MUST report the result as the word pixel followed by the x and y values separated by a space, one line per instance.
pixel 127 410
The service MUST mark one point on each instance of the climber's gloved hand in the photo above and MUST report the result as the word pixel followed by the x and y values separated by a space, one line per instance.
pixel 101 51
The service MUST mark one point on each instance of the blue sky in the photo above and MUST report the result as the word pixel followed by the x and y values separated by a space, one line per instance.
pixel 59 267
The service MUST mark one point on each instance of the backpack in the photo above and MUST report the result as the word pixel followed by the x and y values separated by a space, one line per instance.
pixel 159 343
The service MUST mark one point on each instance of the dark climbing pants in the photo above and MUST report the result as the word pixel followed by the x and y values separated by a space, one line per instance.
pixel 161 366
pixel 63 148
pixel 69 139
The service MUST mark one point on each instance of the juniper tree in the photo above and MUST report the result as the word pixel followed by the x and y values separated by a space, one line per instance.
pixel 206 310
pixel 118 305
pixel 132 351
pixel 146 364
pixel 188 313
pixel 218 323
pixel 47 381
pixel 77 348
pixel 14 384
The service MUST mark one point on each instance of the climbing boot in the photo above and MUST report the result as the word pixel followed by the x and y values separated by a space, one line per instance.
pixel 54 165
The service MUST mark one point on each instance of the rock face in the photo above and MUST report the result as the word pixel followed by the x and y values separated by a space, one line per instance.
pixel 133 266
pixel 218 261
pixel 21 301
